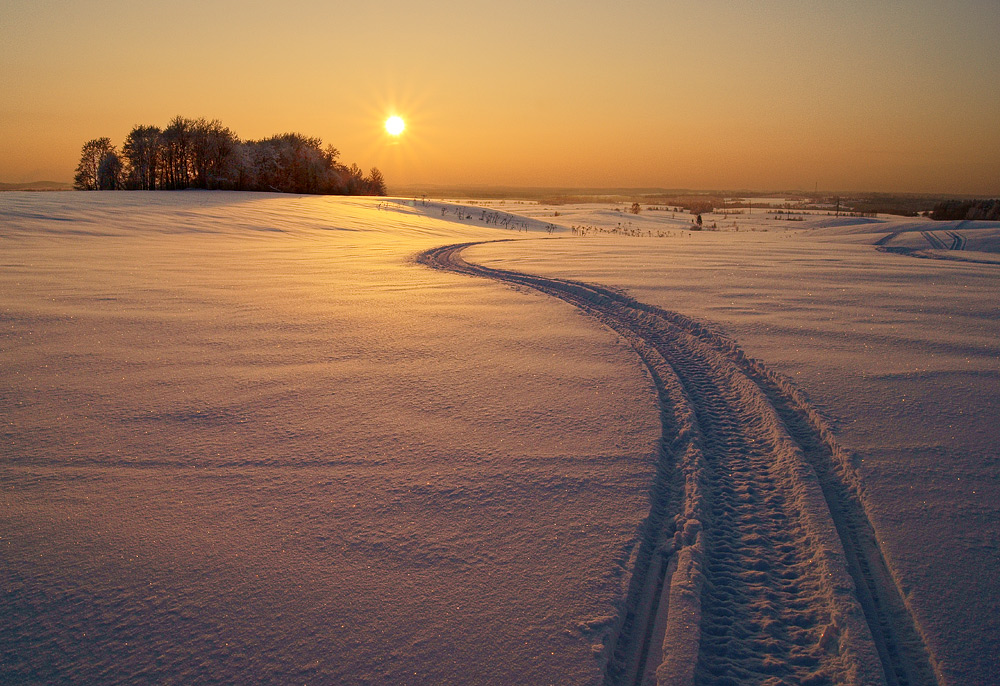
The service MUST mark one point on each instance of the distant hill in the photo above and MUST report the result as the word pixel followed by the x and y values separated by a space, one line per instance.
pixel 37 186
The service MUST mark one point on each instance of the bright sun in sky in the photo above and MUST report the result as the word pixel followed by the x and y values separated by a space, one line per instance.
pixel 395 125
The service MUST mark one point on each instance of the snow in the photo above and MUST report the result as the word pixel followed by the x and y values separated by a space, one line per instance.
pixel 900 353
pixel 247 438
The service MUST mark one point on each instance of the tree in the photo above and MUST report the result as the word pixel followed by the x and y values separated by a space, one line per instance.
pixel 700 206
pixel 205 154
pixel 109 172
pixel 291 163
pixel 175 146
pixel 142 156
pixel 376 182
pixel 355 180
pixel 211 151
pixel 88 171
pixel 967 209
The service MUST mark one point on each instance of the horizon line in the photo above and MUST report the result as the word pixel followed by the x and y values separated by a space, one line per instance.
pixel 511 190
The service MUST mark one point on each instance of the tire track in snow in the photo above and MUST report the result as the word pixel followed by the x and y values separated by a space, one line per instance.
pixel 757 562
pixel 934 241
pixel 884 240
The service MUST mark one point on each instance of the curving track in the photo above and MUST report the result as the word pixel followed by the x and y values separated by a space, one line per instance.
pixel 757 563
pixel 958 241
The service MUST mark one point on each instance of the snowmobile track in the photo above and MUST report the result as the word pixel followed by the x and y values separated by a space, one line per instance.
pixel 757 563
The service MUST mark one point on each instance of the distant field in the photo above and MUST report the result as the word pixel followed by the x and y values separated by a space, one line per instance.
pixel 37 186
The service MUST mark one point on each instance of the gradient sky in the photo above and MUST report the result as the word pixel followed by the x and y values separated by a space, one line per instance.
pixel 769 94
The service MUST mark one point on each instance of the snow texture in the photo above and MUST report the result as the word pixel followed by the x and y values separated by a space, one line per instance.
pixel 247 440
pixel 254 438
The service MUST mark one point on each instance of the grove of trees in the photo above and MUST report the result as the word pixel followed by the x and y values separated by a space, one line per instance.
pixel 967 209
pixel 197 153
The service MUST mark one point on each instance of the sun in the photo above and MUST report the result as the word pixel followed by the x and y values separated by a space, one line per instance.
pixel 395 125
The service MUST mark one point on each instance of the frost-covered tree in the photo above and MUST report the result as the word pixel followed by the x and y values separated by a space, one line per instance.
pixel 211 150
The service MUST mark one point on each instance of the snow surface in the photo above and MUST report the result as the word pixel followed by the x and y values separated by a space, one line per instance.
pixel 247 438
pixel 902 354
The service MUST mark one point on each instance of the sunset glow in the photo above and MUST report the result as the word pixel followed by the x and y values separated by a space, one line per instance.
pixel 776 95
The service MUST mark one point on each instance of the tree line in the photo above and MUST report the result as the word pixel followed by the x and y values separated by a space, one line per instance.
pixel 196 153
pixel 967 209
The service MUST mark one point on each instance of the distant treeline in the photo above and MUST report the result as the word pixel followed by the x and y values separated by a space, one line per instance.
pixel 195 153
pixel 967 209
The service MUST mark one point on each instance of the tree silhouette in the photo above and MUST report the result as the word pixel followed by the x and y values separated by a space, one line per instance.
pixel 141 151
pixel 198 153
pixel 88 172
pixel 376 183
pixel 967 209
pixel 109 172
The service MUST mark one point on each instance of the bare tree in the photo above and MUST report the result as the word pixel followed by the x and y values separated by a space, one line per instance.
pixel 109 172
pixel 142 156
pixel 88 172
pixel 175 144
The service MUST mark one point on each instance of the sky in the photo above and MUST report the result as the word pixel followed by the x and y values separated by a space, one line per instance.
pixel 869 95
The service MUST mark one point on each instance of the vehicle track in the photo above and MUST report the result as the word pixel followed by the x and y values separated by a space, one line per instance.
pixel 958 241
pixel 884 240
pixel 757 563
pixel 934 241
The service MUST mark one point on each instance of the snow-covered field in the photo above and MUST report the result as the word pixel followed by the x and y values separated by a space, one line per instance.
pixel 250 438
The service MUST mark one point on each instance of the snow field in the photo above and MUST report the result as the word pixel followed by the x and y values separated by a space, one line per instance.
pixel 252 438
pixel 249 440
pixel 898 355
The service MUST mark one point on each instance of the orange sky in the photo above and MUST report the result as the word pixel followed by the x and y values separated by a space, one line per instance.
pixel 780 94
